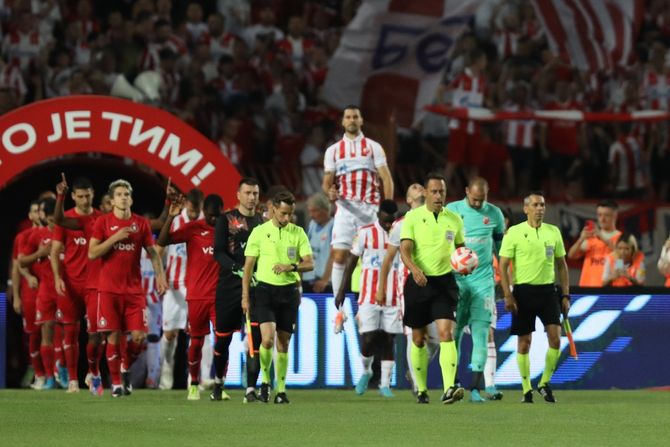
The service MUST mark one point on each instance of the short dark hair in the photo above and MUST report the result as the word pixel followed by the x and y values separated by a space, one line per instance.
pixel 608 203
pixel 535 192
pixel 195 196
pixel 82 183
pixel 434 175
pixel 274 190
pixel 351 107
pixel 49 204
pixel 388 206
pixel 247 181
pixel 283 197
pixel 33 202
pixel 213 201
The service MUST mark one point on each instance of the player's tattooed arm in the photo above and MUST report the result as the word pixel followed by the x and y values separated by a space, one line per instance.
pixel 59 215
pixel 157 262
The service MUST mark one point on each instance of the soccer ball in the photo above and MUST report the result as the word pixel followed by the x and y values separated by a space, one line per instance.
pixel 464 260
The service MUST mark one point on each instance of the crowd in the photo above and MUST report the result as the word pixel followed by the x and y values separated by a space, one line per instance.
pixel 248 75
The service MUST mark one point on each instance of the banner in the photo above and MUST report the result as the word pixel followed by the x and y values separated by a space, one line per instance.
pixel 392 56
pixel 76 124
pixel 592 35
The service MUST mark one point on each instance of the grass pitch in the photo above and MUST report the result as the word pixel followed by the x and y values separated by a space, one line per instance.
pixel 332 417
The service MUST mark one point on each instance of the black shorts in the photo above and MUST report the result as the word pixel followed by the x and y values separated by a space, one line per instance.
pixel 534 301
pixel 436 301
pixel 277 304
pixel 228 306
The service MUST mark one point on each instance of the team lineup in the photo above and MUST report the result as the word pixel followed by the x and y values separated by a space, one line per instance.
pixel 430 274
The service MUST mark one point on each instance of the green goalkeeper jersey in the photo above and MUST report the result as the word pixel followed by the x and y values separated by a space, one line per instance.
pixel 484 229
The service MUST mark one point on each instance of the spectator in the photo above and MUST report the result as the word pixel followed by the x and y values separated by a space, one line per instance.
pixel 218 41
pixel 625 266
pixel 266 26
pixel 229 148
pixel 627 167
pixel 664 262
pixel 295 45
pixel 311 160
pixel 319 232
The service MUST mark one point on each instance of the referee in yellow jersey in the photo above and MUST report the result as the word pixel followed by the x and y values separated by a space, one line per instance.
pixel 282 251
pixel 429 234
pixel 535 249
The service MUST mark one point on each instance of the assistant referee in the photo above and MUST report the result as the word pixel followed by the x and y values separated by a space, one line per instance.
pixel 534 248
pixel 282 251
pixel 429 235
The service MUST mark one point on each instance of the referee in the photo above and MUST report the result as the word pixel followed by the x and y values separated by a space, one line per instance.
pixel 429 235
pixel 282 251
pixel 534 247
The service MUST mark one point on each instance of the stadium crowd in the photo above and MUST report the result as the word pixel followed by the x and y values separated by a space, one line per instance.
pixel 248 75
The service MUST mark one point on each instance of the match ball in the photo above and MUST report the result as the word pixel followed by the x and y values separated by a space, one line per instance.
pixel 464 260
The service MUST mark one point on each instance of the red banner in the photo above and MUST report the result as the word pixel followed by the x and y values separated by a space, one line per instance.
pixel 76 124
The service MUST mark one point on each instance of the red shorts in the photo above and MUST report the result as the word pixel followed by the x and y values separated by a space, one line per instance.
pixel 71 307
pixel 46 309
pixel 463 148
pixel 91 311
pixel 29 305
pixel 122 312
pixel 200 313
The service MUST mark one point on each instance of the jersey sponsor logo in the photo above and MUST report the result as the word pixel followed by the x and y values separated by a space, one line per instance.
pixel 208 250
pixel 375 261
pixel 243 244
pixel 204 233
pixel 124 247
pixel 114 227
pixel 80 241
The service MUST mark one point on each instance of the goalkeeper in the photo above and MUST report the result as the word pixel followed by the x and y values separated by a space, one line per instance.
pixel 484 227
pixel 230 239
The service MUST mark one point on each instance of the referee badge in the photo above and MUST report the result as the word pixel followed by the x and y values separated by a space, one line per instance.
pixel 292 252
pixel 450 235
pixel 549 251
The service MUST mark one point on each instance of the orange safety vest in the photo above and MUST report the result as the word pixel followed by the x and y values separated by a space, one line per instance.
pixel 595 257
pixel 632 270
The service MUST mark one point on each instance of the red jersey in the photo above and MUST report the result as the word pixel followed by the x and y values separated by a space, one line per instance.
pixel 562 134
pixel 19 241
pixel 75 262
pixel 202 270
pixel 42 267
pixel 120 268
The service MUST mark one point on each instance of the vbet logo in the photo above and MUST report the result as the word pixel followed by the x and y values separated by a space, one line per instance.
pixel 617 337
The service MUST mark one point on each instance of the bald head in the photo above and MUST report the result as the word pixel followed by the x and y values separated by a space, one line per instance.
pixel 414 196
pixel 476 192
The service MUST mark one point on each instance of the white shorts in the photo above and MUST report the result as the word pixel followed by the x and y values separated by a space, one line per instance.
pixel 373 317
pixel 154 315
pixel 174 309
pixel 349 217
pixel 494 316
pixel 432 336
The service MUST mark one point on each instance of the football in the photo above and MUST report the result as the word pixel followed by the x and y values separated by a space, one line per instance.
pixel 464 260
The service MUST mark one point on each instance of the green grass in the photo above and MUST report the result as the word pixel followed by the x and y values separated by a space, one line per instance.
pixel 324 418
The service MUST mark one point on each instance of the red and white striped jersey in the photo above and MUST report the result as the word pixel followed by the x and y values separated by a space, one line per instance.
pixel 467 90
pixel 370 245
pixel 297 49
pixel 506 43
pixel 355 163
pixel 231 151
pixel 519 133
pixel 627 159
pixel 148 278
pixel 176 255
pixel 10 78
pixel 22 49
pixel 656 90
pixel 218 46
pixel 150 60
pixel 401 272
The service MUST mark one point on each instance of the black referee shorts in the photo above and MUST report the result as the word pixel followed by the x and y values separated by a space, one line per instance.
pixel 277 304
pixel 228 305
pixel 436 301
pixel 534 301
